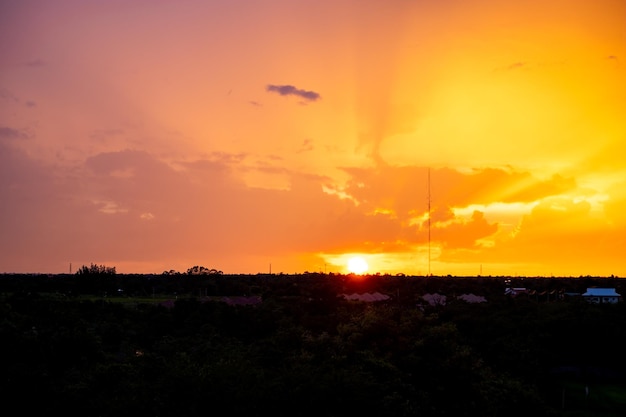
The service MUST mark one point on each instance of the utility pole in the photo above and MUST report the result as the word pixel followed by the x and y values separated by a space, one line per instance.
pixel 428 221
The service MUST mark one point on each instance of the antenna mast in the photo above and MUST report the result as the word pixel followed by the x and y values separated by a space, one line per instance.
pixel 428 221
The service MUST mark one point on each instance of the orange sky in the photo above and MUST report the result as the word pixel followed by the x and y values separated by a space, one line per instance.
pixel 246 135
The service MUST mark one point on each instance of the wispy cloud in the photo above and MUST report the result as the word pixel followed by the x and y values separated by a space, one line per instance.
pixel 290 90
pixel 307 146
pixel 513 66
pixel 516 65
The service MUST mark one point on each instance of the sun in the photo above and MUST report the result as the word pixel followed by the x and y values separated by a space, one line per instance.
pixel 357 265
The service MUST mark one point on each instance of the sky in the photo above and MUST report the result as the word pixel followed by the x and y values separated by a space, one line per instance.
pixel 443 137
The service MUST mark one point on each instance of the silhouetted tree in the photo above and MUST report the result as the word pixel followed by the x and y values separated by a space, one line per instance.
pixel 95 269
pixel 201 270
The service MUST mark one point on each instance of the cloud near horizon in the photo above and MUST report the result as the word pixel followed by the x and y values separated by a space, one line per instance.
pixel 204 214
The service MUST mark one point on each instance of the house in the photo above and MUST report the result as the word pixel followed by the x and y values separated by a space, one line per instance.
pixel 366 297
pixel 471 298
pixel 515 291
pixel 435 299
pixel 601 295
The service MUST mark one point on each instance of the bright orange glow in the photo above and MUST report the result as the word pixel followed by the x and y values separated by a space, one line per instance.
pixel 357 265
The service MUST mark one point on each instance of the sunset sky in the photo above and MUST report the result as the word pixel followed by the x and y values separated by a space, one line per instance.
pixel 282 135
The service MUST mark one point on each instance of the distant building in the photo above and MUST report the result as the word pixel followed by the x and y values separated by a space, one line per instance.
pixel 471 298
pixel 366 297
pixel 570 294
pixel 602 295
pixel 435 299
pixel 515 291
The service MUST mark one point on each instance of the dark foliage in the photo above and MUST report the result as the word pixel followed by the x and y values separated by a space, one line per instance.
pixel 304 350
pixel 95 269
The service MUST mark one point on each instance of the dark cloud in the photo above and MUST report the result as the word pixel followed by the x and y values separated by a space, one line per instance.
pixel 290 90
pixel 7 95
pixel 36 63
pixel 9 133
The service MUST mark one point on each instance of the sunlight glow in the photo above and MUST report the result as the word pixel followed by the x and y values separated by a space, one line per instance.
pixel 357 265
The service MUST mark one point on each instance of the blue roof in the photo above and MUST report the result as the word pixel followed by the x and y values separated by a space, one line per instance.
pixel 601 292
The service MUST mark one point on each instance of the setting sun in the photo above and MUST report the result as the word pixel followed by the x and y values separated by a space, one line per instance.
pixel 357 265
